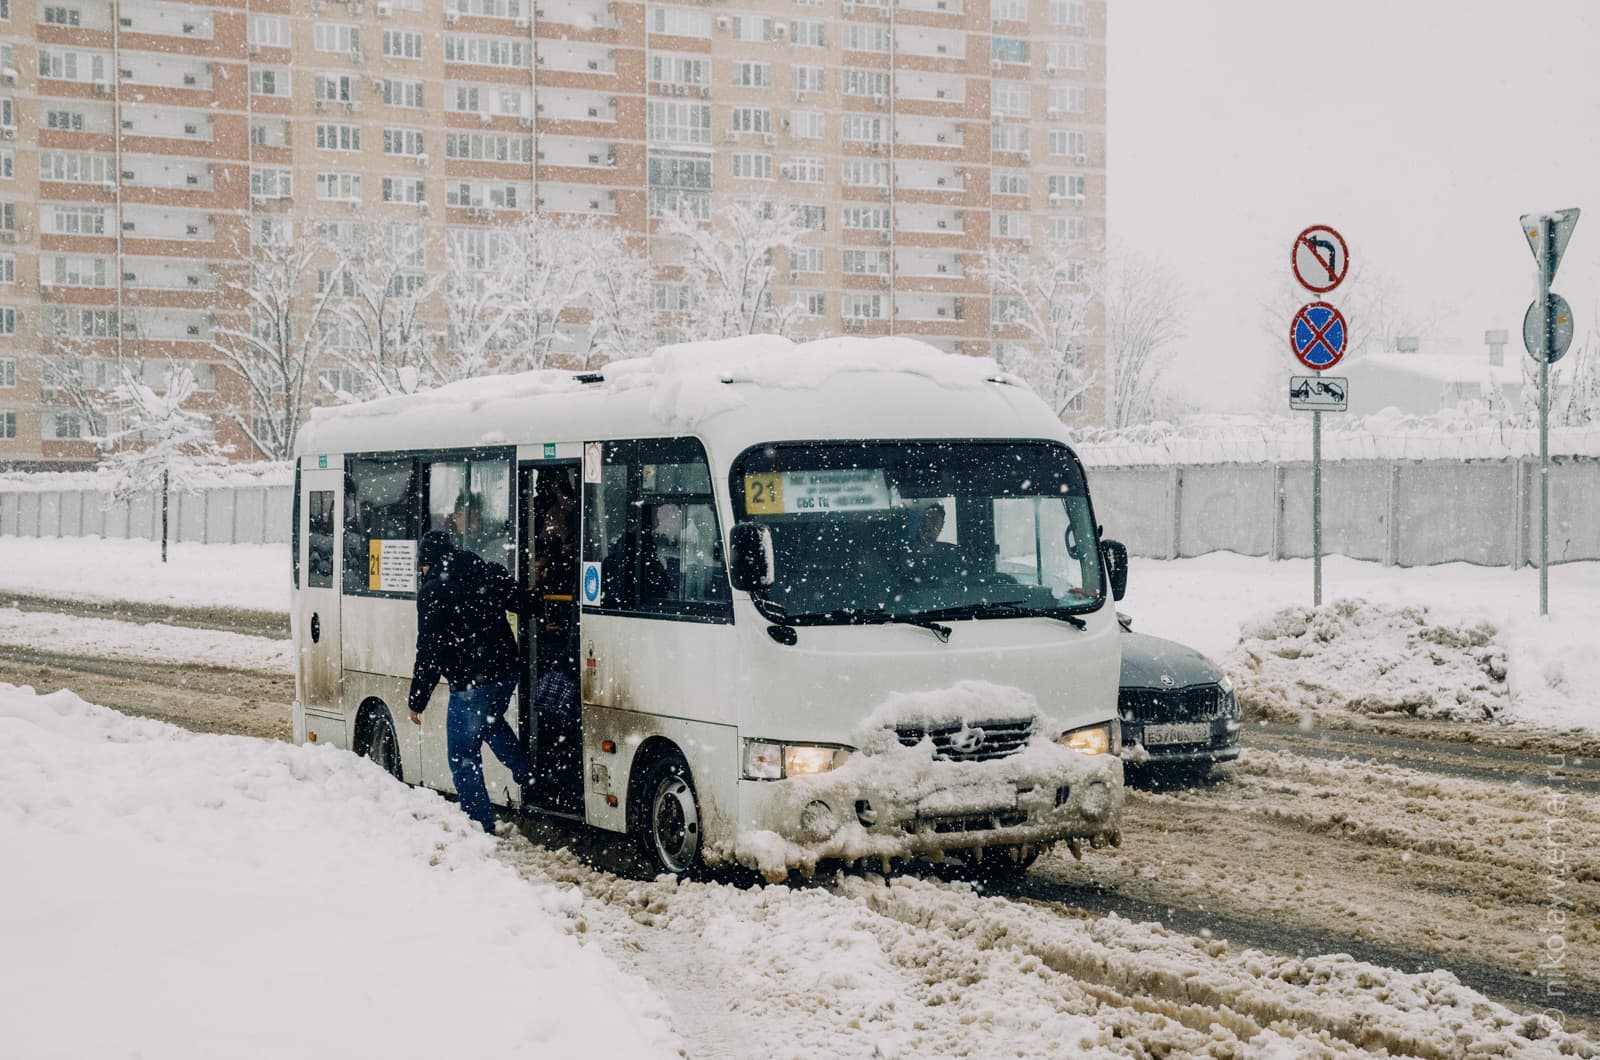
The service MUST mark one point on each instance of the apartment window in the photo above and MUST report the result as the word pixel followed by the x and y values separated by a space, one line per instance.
pixel 269 31
pixel 752 28
pixel 488 147
pixel 74 270
pixel 1067 55
pixel 811 303
pixel 808 259
pixel 1010 10
pixel 1008 137
pixel 866 128
pixel 76 220
pixel 269 81
pixel 811 216
pixel 336 88
pixel 1068 229
pixel 467 98
pixel 678 123
pixel 8 425
pixel 402 93
pixel 8 268
pixel 402 44
pixel 865 82
pixel 271 182
pixel 1068 13
pixel 335 37
pixel 1066 143
pixel 62 65
pixel 807 169
pixel 671 297
pixel 70 120
pixel 402 141
pixel 862 306
pixel 488 51
pixel 8 373
pixel 750 120
pixel 752 75
pixel 865 37
pixel 809 78
pixel 338 137
pixel 865 262
pixel 408 190
pixel 1067 185
pixel 339 187
pixel 63 16
pixel 8 320
pixel 1011 98
pixel 752 167
pixel 680 21
pixel 679 182
pixel 61 426
pixel 1005 225
pixel 679 70
pixel 1009 182
pixel 1068 99
pixel 1008 49
pixel 805 33
pixel 273 231
pixel 5 10
pixel 874 218
pixel 861 173
pixel 807 124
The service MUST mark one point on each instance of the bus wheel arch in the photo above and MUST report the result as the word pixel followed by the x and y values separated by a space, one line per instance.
pixel 376 738
pixel 664 816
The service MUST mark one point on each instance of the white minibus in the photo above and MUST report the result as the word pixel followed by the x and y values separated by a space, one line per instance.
pixel 796 603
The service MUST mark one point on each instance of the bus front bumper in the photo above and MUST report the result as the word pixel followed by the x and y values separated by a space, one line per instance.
pixel 900 806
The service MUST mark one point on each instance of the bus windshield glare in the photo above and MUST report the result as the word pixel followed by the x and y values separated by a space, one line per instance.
pixel 871 531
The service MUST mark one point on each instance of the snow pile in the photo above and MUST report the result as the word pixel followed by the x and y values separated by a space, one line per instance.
pixel 690 380
pixel 1451 434
pixel 104 638
pixel 466 395
pixel 241 577
pixel 1368 658
pixel 218 896
pixel 234 476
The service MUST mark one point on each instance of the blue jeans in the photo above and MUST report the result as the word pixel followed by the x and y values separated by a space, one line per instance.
pixel 476 717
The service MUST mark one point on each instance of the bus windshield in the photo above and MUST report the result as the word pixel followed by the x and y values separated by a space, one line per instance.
pixel 873 531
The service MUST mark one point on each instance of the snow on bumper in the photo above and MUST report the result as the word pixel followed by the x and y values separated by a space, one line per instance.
pixel 905 801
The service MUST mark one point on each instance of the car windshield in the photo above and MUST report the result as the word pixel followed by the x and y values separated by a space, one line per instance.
pixel 881 531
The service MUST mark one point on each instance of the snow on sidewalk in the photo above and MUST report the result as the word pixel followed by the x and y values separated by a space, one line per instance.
pixel 106 638
pixel 175 895
pixel 247 577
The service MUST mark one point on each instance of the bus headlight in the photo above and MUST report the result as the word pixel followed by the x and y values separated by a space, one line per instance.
pixel 767 760
pixel 1090 740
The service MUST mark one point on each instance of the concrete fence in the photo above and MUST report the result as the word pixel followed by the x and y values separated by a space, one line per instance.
pixel 1404 513
pixel 253 515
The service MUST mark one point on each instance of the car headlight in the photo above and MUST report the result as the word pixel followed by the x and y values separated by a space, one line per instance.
pixel 1226 684
pixel 768 760
pixel 1089 740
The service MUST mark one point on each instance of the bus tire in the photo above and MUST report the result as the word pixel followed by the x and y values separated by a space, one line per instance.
pixel 667 825
pixel 381 746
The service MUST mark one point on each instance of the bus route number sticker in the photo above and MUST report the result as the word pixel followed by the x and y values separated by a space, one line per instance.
pixel 391 566
pixel 833 490
pixel 763 494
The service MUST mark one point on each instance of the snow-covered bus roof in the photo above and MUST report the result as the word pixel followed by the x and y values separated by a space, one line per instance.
pixel 733 393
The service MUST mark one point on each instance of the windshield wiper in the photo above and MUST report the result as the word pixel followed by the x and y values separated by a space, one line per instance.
pixel 1000 609
pixel 855 617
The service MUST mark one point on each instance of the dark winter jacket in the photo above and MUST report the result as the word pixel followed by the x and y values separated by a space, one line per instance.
pixel 462 632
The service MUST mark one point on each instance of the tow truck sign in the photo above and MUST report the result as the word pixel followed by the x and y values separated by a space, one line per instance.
pixel 1319 393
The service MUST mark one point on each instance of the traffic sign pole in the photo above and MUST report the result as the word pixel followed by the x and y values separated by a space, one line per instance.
pixel 1316 508
pixel 1547 259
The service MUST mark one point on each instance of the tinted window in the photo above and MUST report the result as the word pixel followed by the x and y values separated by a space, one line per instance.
pixel 471 499
pixel 380 505
pixel 319 539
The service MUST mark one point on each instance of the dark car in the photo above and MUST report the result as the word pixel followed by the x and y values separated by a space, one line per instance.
pixel 1177 706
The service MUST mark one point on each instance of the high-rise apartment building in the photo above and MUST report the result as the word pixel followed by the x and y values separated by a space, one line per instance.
pixel 146 143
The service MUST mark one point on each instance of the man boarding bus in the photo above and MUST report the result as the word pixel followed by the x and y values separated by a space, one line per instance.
pixel 835 601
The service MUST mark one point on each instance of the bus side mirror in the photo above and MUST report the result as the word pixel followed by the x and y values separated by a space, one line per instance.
pixel 750 560
pixel 1116 557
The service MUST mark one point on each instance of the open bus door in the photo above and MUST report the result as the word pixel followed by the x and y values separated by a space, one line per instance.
pixel 548 547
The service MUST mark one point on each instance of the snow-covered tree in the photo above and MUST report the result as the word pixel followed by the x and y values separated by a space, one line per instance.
pixel 729 266
pixel 384 299
pixel 481 305
pixel 278 341
pixel 1047 301
pixel 1142 314
pixel 153 443
pixel 1582 383
pixel 618 297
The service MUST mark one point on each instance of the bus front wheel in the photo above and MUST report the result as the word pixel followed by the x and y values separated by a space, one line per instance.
pixel 382 747
pixel 667 825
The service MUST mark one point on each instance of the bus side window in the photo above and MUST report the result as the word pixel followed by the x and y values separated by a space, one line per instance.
pixel 380 504
pixel 471 500
pixel 319 539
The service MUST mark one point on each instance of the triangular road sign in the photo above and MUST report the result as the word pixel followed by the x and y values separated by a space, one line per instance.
pixel 1560 223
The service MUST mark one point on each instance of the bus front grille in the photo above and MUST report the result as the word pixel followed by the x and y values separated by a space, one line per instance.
pixel 973 742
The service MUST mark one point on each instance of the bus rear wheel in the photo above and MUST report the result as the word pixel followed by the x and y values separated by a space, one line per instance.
pixel 382 746
pixel 667 824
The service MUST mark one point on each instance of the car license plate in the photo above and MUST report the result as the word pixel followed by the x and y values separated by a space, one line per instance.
pixel 1187 732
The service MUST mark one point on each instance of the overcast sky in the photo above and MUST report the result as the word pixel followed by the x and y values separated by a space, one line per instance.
pixel 1420 129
